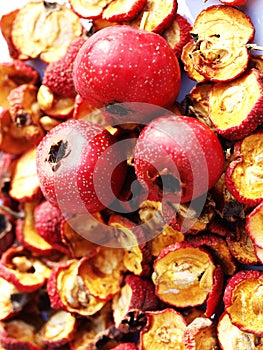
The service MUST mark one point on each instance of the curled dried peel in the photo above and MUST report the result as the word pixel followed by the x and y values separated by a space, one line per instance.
pixel 183 275
pixel 164 330
pixel 44 31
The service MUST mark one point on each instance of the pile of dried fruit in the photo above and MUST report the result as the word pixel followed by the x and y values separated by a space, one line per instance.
pixel 170 253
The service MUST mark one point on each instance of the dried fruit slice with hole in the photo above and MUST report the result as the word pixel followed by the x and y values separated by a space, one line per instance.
pixel 6 23
pixel 123 10
pixel 156 16
pixel 235 108
pixel 241 245
pixel 254 225
pixel 178 34
pixel 59 329
pixel 19 334
pixel 200 334
pixel 24 270
pixel 129 306
pixel 61 27
pixel 55 105
pixel 164 330
pixel 102 274
pixel 218 248
pixel 231 337
pixel 219 51
pixel 89 9
pixel 183 275
pixel 67 291
pixel 243 301
pixel 187 59
pixel 13 74
pixel 245 172
pixel 24 181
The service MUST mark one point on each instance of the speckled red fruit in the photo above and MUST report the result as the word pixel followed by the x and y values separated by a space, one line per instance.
pixel 78 167
pixel 124 64
pixel 181 153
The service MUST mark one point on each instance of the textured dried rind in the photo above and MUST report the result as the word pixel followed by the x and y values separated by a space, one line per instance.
pixel 122 10
pixel 59 329
pixel 183 275
pixel 242 299
pixel 89 9
pixel 230 336
pixel 178 34
pixel 25 184
pixel 164 330
pixel 235 108
pixel 67 292
pixel 254 225
pixel 156 16
pixel 217 53
pixel 61 27
pixel 7 309
pixel 186 57
pixel 245 172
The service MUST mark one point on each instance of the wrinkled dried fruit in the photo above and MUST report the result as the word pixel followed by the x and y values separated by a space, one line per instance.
pixel 183 275
pixel 9 300
pixel 61 27
pixel 254 225
pixel 243 301
pixel 245 172
pixel 6 23
pixel 235 108
pixel 89 9
pixel 164 330
pixel 123 10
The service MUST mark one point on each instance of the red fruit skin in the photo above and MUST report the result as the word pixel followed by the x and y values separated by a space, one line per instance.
pixel 233 2
pixel 88 161
pixel 214 297
pixel 256 237
pixel 48 220
pixel 58 76
pixel 124 64
pixel 181 147
pixel 126 346
pixel 10 343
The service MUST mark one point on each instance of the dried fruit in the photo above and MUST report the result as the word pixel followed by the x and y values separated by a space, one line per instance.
pixel 254 225
pixel 61 27
pixel 120 10
pixel 235 107
pixel 245 171
pixel 73 167
pixel 137 58
pixel 91 10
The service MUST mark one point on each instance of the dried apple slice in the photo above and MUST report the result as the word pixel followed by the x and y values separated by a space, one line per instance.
pixel 25 271
pixel 242 299
pixel 129 306
pixel 219 51
pixel 24 181
pixel 178 34
pixel 59 329
pixel 254 225
pixel 102 274
pixel 235 108
pixel 123 10
pixel 241 246
pixel 19 334
pixel 164 330
pixel 61 27
pixel 156 16
pixel 200 334
pixel 183 275
pixel 67 291
pixel 231 337
pixel 245 172
pixel 89 9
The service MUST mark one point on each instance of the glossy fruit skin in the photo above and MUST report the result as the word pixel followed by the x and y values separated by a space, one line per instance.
pixel 124 64
pixel 182 148
pixel 78 182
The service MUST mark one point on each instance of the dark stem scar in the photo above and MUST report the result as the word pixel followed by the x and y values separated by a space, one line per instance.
pixel 58 151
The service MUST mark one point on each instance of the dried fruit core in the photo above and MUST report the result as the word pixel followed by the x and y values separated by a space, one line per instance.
pixel 57 153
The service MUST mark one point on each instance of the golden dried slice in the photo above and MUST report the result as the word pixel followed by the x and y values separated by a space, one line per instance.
pixel 45 29
pixel 164 331
pixel 187 59
pixel 7 290
pixel 89 9
pixel 123 10
pixel 24 180
pixel 6 23
pixel 236 107
pixel 231 337
pixel 156 16
pixel 102 274
pixel 183 275
pixel 219 50
pixel 59 328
